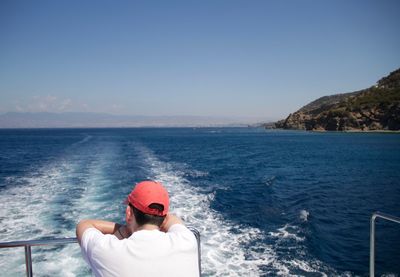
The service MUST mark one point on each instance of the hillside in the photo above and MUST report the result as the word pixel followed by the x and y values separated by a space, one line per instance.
pixel 372 109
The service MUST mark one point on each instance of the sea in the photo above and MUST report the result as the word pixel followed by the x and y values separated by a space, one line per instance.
pixel 266 202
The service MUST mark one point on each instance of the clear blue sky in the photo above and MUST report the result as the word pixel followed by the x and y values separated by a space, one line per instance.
pixel 219 58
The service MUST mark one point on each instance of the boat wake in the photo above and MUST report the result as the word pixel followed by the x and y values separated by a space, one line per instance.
pixel 229 249
pixel 91 181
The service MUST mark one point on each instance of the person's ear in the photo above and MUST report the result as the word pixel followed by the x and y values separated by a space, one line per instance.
pixel 128 214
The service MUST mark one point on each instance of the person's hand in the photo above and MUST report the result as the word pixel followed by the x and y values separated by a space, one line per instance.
pixel 122 232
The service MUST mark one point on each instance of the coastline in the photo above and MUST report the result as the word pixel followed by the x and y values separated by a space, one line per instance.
pixel 344 131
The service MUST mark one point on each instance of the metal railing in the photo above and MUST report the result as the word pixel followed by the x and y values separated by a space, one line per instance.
pixel 372 238
pixel 27 244
pixel 197 235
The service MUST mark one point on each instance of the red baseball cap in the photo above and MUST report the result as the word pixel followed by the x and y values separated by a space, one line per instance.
pixel 146 193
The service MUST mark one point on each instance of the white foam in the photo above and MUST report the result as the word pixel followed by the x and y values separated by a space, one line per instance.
pixel 284 233
pixel 289 239
pixel 304 215
pixel 27 211
pixel 85 139
pixel 21 206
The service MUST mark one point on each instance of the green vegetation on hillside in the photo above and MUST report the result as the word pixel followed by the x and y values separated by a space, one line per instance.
pixel 373 97
pixel 375 108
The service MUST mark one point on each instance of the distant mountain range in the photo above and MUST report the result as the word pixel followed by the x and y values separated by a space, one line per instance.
pixel 372 109
pixel 100 120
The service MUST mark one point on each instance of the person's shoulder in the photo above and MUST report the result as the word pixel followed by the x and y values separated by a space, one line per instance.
pixel 178 227
pixel 92 237
pixel 181 231
pixel 90 232
pixel 183 239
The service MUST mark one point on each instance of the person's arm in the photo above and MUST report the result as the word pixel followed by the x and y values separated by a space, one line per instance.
pixel 106 227
pixel 170 220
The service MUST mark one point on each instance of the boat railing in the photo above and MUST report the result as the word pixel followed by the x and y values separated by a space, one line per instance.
pixel 27 244
pixel 372 238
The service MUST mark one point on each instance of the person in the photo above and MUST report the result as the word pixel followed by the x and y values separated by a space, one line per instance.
pixel 153 242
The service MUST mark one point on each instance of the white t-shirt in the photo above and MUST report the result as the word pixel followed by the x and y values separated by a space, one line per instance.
pixel 144 253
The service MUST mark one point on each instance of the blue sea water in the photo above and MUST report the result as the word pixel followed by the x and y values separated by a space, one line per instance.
pixel 267 203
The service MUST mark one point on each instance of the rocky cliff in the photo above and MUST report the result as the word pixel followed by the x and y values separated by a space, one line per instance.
pixel 374 108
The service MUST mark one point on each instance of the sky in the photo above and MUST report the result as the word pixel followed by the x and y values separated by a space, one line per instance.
pixel 261 59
